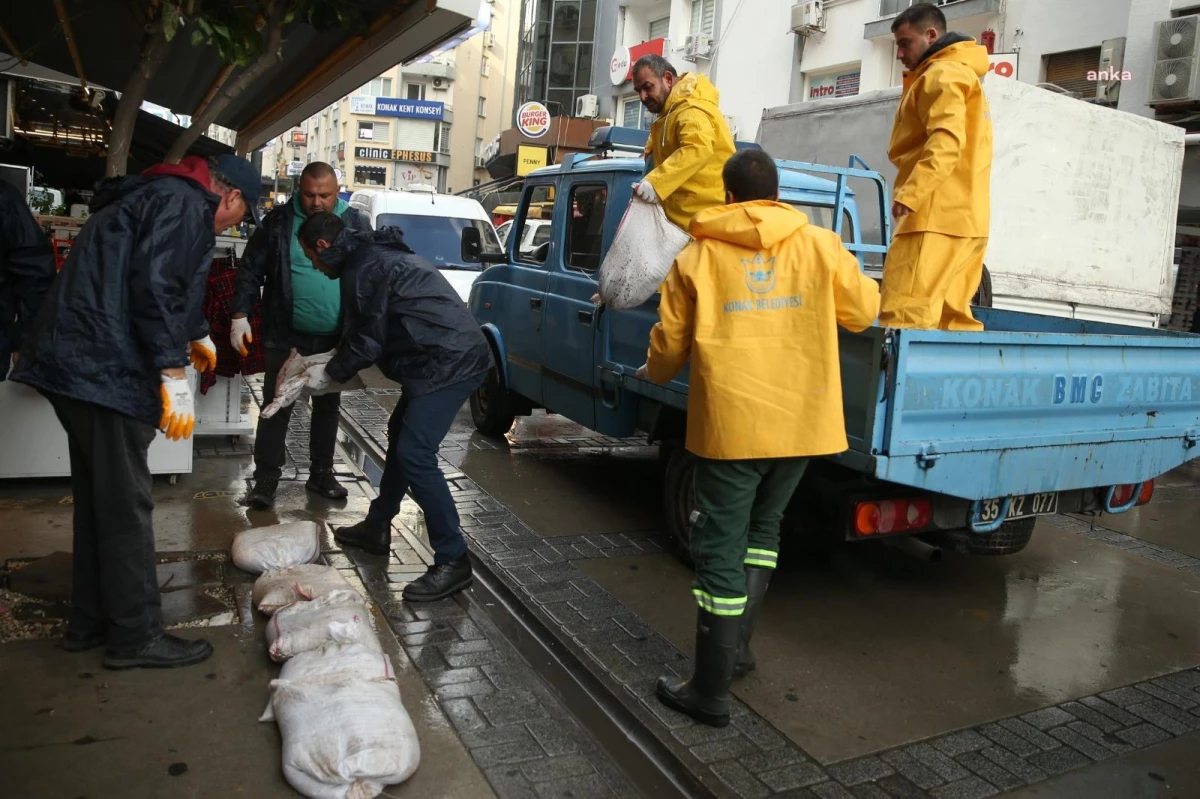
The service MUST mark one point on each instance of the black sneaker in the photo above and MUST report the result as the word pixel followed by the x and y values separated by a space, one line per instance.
pixel 325 484
pixel 374 538
pixel 262 496
pixel 165 652
pixel 442 580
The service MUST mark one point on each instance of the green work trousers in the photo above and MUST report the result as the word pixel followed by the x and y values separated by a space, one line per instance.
pixel 739 507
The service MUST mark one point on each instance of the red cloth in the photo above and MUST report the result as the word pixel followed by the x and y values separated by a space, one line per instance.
pixel 216 309
pixel 193 168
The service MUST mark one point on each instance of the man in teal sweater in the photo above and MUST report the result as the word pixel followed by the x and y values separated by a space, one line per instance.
pixel 301 309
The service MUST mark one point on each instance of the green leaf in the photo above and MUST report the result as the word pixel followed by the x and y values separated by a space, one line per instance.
pixel 204 26
pixel 170 20
pixel 291 15
pixel 222 30
pixel 198 38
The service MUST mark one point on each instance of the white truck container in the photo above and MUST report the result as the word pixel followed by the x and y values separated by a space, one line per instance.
pixel 1084 198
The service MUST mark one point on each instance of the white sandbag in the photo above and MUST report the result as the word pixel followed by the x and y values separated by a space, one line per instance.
pixel 344 740
pixel 340 617
pixel 279 546
pixel 291 381
pixel 640 256
pixel 334 663
pixel 274 589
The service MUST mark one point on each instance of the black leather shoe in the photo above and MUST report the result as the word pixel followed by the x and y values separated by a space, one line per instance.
pixel 262 497
pixel 75 642
pixel 442 580
pixel 366 535
pixel 165 652
pixel 705 697
pixel 326 485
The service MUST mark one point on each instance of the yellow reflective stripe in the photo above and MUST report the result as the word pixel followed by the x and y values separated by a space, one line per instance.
pixel 761 557
pixel 766 564
pixel 719 605
pixel 768 552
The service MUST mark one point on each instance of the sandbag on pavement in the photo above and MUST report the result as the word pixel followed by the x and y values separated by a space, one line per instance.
pixel 340 617
pixel 274 589
pixel 640 256
pixel 290 384
pixel 334 663
pixel 279 546
pixel 344 740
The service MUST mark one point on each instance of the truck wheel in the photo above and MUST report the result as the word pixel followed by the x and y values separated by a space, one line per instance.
pixel 983 297
pixel 1010 539
pixel 679 499
pixel 492 407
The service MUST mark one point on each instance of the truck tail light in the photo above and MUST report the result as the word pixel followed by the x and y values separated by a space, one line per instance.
pixel 1147 493
pixel 1122 495
pixel 891 516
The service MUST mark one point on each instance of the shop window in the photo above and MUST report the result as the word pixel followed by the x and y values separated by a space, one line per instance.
pixel 633 114
pixel 370 175
pixel 585 228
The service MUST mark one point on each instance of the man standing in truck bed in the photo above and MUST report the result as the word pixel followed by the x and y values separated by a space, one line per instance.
pixel 942 148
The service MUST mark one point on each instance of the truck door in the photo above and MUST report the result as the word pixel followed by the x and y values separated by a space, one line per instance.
pixel 519 301
pixel 569 316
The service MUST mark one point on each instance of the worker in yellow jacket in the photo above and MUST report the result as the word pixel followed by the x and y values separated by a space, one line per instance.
pixel 689 141
pixel 942 148
pixel 754 302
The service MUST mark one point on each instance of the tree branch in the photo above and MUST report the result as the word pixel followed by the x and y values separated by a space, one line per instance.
pixel 154 51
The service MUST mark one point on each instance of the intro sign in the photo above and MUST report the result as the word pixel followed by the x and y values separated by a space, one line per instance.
pixel 843 84
pixel 392 107
pixel 1004 64
pixel 531 157
pixel 533 120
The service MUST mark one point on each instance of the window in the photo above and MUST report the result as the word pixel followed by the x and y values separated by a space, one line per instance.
pixel 379 87
pixel 479 148
pixel 441 138
pixel 482 106
pixel 659 29
pixel 438 239
pixel 373 131
pixel 370 175
pixel 585 229
pixel 502 231
pixel 822 216
pixel 414 91
pixel 555 55
pixel 537 204
pixel 1069 71
pixel 485 67
pixel 703 17
pixel 633 114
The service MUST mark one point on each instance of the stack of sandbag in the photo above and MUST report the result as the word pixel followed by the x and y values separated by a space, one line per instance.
pixel 292 381
pixel 640 256
pixel 346 734
pixel 279 546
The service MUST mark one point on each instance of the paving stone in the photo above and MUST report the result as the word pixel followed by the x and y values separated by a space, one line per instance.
pixel 756 729
pixel 563 614
pixel 474 659
pixel 869 791
pixel 1029 733
pixel 493 736
pixel 669 718
pixel 587 787
pixel 1165 692
pixel 510 783
pixel 187 605
pixel 550 594
pixel 651 651
pixel 506 677
pixel 457 647
pixel 765 761
pixel 981 766
pixel 463 715
pixel 1008 740
pixel 414 627
pixel 856 772
pixel 941 765
pixel 1081 743
pixel 900 787
pixel 443 609
pixel 740 781
pixel 557 573
pixel 831 790
pixel 467 629
pixel 1048 717
pixel 549 554
pixel 1170 718
pixel 463 689
pixel 452 676
pixel 1143 735
pixel 1124 697
pixel 511 707
pixel 968 788
pixel 1189 680
pixel 1098 719
pixel 798 776
pixel 597 608
pixel 634 626
pixel 585 550
pixel 704 734
pixel 1059 761
pixel 515 752
pixel 961 742
pixel 597 634
pixel 920 775
pixel 442 636
pixel 1014 765
pixel 554 737
pixel 557 768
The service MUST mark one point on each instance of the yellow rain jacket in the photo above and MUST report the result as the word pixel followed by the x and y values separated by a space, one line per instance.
pixel 755 303
pixel 690 143
pixel 941 142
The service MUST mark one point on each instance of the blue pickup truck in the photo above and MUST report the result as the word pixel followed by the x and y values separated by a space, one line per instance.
pixel 956 439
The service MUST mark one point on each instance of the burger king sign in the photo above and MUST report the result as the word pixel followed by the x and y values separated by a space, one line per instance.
pixel 533 120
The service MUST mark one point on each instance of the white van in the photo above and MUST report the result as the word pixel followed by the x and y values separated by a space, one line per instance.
pixel 433 225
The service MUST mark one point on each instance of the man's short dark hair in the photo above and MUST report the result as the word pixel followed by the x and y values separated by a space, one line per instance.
pixel 751 175
pixel 322 226
pixel 318 170
pixel 656 64
pixel 921 17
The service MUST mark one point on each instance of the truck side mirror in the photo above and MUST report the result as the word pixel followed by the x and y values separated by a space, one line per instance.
pixel 472 245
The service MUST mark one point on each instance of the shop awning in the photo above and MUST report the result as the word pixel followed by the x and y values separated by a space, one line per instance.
pixel 316 69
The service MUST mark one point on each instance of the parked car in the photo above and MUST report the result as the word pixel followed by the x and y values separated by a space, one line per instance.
pixel 433 225
pixel 535 233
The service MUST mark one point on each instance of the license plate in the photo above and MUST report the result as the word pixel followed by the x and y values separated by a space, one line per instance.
pixel 1021 507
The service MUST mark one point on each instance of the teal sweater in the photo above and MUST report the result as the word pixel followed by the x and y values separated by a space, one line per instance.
pixel 316 300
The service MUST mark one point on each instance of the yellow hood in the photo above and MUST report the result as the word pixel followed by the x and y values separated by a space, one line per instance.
pixel 957 48
pixel 694 88
pixel 758 225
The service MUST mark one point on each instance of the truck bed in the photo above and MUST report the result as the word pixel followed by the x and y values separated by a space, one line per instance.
pixel 1032 404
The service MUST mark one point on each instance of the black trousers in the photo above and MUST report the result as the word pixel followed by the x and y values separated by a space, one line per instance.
pixel 270 443
pixel 115 586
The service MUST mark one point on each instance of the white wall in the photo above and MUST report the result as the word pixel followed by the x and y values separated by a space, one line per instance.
pixel 753 62
pixel 1057 27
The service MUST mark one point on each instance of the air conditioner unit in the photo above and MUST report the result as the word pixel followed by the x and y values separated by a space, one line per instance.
pixel 490 40
pixel 1175 78
pixel 479 161
pixel 438 83
pixel 808 16
pixel 697 48
pixel 587 107
pixel 1112 69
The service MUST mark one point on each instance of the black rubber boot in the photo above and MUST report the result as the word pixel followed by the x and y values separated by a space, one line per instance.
pixel 165 652
pixel 705 697
pixel 442 580
pixel 366 535
pixel 76 642
pixel 757 579
pixel 262 496
pixel 326 485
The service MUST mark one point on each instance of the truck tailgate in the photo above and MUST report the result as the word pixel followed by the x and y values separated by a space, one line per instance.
pixel 1071 405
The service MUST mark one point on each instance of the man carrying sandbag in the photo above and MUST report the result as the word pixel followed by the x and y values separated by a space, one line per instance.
pixel 754 302
pixel 402 314
pixel 109 350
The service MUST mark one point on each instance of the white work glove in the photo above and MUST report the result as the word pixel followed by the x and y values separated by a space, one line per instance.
pixel 240 335
pixel 315 379
pixel 179 408
pixel 645 192
pixel 203 354
pixel 642 372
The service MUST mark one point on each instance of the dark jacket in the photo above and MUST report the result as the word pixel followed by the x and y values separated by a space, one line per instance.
pixel 266 266
pixel 127 301
pixel 400 313
pixel 26 271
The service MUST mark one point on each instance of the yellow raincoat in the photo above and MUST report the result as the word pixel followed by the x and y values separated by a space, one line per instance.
pixel 690 143
pixel 755 303
pixel 941 146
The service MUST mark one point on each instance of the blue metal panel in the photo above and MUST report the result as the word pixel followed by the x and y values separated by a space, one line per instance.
pixel 497 339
